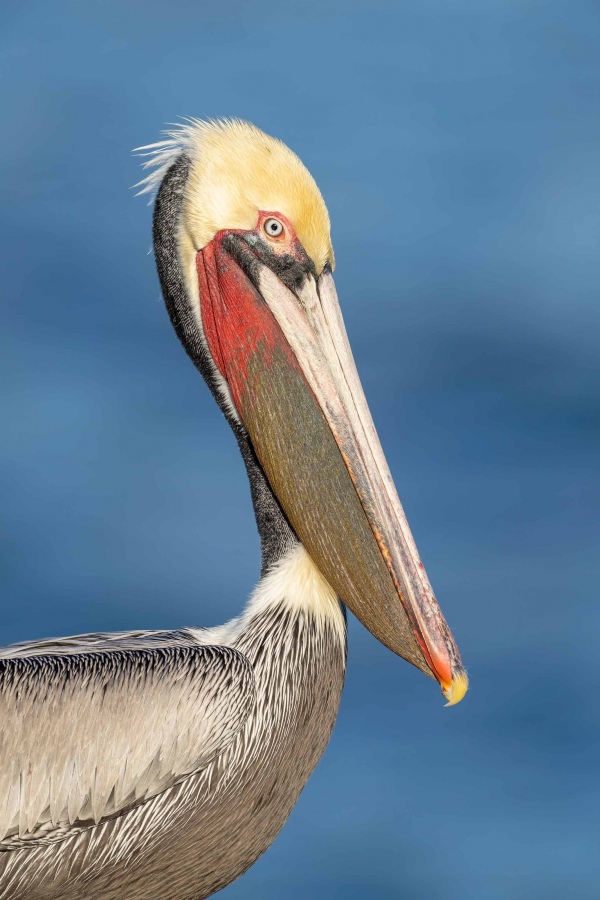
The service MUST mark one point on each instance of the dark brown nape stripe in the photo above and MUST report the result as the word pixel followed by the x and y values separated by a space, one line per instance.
pixel 276 534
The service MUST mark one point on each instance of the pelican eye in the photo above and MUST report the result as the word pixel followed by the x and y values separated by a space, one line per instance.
pixel 273 228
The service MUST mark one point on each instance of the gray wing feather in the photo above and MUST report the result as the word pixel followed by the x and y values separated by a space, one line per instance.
pixel 106 641
pixel 87 735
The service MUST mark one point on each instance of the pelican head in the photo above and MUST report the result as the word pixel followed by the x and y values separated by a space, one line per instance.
pixel 247 273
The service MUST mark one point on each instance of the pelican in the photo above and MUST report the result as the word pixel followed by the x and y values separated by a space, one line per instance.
pixel 159 765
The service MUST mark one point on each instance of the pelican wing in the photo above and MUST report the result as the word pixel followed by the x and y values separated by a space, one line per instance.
pixel 94 725
pixel 107 641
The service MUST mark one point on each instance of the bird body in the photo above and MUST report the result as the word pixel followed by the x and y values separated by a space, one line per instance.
pixel 160 765
pixel 193 837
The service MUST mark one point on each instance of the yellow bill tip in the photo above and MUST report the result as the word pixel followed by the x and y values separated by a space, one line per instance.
pixel 457 688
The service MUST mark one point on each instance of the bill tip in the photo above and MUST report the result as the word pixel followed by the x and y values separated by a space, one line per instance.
pixel 458 687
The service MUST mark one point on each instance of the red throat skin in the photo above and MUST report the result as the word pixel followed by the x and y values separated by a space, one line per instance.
pixel 236 319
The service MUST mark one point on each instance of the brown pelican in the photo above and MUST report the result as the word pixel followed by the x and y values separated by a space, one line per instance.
pixel 160 765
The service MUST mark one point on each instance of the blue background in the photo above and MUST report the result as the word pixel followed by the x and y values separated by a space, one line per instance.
pixel 457 144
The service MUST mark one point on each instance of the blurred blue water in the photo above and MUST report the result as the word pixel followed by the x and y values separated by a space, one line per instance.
pixel 457 145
